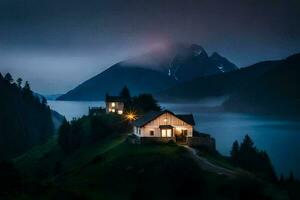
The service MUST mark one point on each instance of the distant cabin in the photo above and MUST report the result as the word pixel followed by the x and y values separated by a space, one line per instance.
pixel 164 126
pixel 114 104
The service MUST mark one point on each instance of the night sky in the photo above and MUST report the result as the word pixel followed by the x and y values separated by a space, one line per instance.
pixel 56 44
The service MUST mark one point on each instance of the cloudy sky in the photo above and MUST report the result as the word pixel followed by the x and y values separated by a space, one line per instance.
pixel 56 44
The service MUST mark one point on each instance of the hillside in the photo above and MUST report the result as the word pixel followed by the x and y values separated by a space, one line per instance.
pixel 114 169
pixel 24 120
pixel 276 91
pixel 152 72
pixel 218 85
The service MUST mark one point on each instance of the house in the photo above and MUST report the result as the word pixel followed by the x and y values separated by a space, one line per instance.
pixel 164 126
pixel 114 104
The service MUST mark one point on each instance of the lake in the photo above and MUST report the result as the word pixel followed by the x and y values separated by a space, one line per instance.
pixel 280 137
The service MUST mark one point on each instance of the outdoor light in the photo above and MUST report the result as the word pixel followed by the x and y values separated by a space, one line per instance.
pixel 131 116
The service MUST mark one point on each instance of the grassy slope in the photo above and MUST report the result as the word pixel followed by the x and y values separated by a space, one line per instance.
pixel 114 169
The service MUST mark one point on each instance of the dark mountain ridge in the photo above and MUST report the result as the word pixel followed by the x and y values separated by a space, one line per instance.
pixel 275 91
pixel 113 79
pixel 152 72
pixel 215 85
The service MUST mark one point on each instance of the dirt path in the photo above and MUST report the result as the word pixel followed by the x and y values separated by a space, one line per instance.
pixel 208 166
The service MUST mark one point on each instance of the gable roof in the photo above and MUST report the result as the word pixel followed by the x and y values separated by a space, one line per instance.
pixel 147 118
pixel 113 99
pixel 187 118
pixel 142 121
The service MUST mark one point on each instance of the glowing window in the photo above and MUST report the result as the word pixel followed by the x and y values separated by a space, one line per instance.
pixel 109 110
pixel 113 110
pixel 169 133
pixel 165 120
pixel 120 112
pixel 113 104
pixel 164 133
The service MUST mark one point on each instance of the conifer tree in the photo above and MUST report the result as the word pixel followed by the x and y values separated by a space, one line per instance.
pixel 235 151
pixel 125 93
pixel 8 78
pixel 19 82
pixel 64 133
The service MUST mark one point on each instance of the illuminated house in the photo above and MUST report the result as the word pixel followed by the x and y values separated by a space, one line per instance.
pixel 164 126
pixel 114 104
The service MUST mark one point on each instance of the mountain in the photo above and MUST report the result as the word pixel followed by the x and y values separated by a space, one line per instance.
pixel 218 85
pixel 276 91
pixel 24 120
pixel 183 61
pixel 195 62
pixel 152 72
pixel 222 63
pixel 115 78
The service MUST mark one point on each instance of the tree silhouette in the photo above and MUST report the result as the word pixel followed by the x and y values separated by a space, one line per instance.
pixel 27 90
pixel 24 121
pixel 248 157
pixel 144 103
pixel 235 151
pixel 19 82
pixel 125 93
pixel 8 77
pixel 64 133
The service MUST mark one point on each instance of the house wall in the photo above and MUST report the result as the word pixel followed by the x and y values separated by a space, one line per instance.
pixel 165 119
pixel 118 106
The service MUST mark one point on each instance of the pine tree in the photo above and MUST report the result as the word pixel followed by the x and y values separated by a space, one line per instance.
pixel 27 90
pixel 235 151
pixel 19 82
pixel 247 153
pixel 247 146
pixel 125 93
pixel 64 133
pixel 8 78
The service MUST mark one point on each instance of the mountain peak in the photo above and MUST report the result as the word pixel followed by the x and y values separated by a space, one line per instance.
pixel 215 55
pixel 222 63
pixel 198 50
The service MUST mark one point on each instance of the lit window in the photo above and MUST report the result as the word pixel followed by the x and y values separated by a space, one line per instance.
pixel 164 133
pixel 169 133
pixel 113 104
pixel 120 112
pixel 109 110
pixel 113 110
pixel 165 120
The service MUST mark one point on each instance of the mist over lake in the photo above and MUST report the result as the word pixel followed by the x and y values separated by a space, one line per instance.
pixel 278 136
